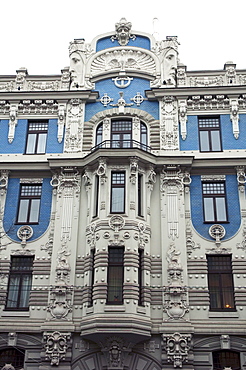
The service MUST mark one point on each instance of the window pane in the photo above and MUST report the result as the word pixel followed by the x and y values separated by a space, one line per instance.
pixel 204 141
pixel 25 291
pixel 23 210
pixel 214 291
pixel 13 291
pixel 115 284
pixel 31 142
pixel 41 143
pixel 220 209
pixel 215 141
pixel 34 212
pixel 117 200
pixel 208 209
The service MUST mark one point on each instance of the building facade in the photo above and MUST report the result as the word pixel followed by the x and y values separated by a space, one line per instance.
pixel 123 211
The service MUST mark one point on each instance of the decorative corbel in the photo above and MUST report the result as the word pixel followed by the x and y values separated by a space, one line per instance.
pixel 12 121
pixel 61 121
pixel 234 117
pixel 183 118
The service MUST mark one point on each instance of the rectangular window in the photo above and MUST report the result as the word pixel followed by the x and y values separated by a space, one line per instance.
pixel 37 137
pixel 121 134
pixel 214 201
pixel 117 192
pixel 92 274
pixel 96 197
pixel 115 275
pixel 220 283
pixel 209 134
pixel 140 276
pixel 20 282
pixel 140 195
pixel 29 204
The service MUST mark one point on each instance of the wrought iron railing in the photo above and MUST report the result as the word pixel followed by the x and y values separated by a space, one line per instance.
pixel 121 144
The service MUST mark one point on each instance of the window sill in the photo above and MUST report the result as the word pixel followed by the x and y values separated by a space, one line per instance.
pixel 223 314
pixel 15 314
pixel 115 308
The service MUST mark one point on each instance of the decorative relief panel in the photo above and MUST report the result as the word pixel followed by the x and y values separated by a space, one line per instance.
pixel 183 118
pixel 123 60
pixel 169 124
pixel 56 344
pixel 13 111
pixel 67 184
pixel 177 347
pixel 175 294
pixel 115 349
pixel 74 126
pixel 234 117
pixel 172 186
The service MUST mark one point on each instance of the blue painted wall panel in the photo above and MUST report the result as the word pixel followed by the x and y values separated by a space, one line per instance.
pixel 228 140
pixel 106 42
pixel 108 86
pixel 232 207
pixel 11 209
pixel 19 142
pixel 18 145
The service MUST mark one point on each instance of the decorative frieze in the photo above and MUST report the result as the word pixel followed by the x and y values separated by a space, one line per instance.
pixel 208 102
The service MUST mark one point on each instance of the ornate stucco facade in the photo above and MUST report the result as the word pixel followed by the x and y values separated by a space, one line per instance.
pixel 123 211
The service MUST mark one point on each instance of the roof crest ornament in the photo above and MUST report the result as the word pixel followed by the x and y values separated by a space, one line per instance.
pixel 123 35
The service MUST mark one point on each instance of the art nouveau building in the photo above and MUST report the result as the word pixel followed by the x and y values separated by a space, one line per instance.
pixel 123 211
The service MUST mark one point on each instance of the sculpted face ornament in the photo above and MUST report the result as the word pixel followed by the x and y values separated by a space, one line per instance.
pixel 123 29
pixel 76 69
pixel 170 67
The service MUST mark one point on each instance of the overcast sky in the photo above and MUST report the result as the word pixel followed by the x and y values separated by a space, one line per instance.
pixel 36 34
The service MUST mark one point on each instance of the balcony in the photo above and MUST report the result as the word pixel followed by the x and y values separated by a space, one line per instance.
pixel 121 144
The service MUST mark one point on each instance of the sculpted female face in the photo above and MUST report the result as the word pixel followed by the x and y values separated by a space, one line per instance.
pixel 76 69
pixel 170 67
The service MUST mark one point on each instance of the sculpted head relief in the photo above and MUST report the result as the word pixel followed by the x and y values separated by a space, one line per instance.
pixel 77 63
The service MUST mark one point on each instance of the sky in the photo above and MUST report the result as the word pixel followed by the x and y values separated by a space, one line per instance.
pixel 36 34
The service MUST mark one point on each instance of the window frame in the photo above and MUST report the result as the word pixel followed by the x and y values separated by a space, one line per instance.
pixel 22 271
pixel 37 133
pixel 119 267
pixel 215 205
pixel 12 355
pixel 219 289
pixel 221 366
pixel 115 185
pixel 29 198
pixel 209 130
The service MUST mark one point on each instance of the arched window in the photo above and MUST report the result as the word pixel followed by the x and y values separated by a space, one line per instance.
pixel 223 359
pixel 99 134
pixel 12 356
pixel 143 134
